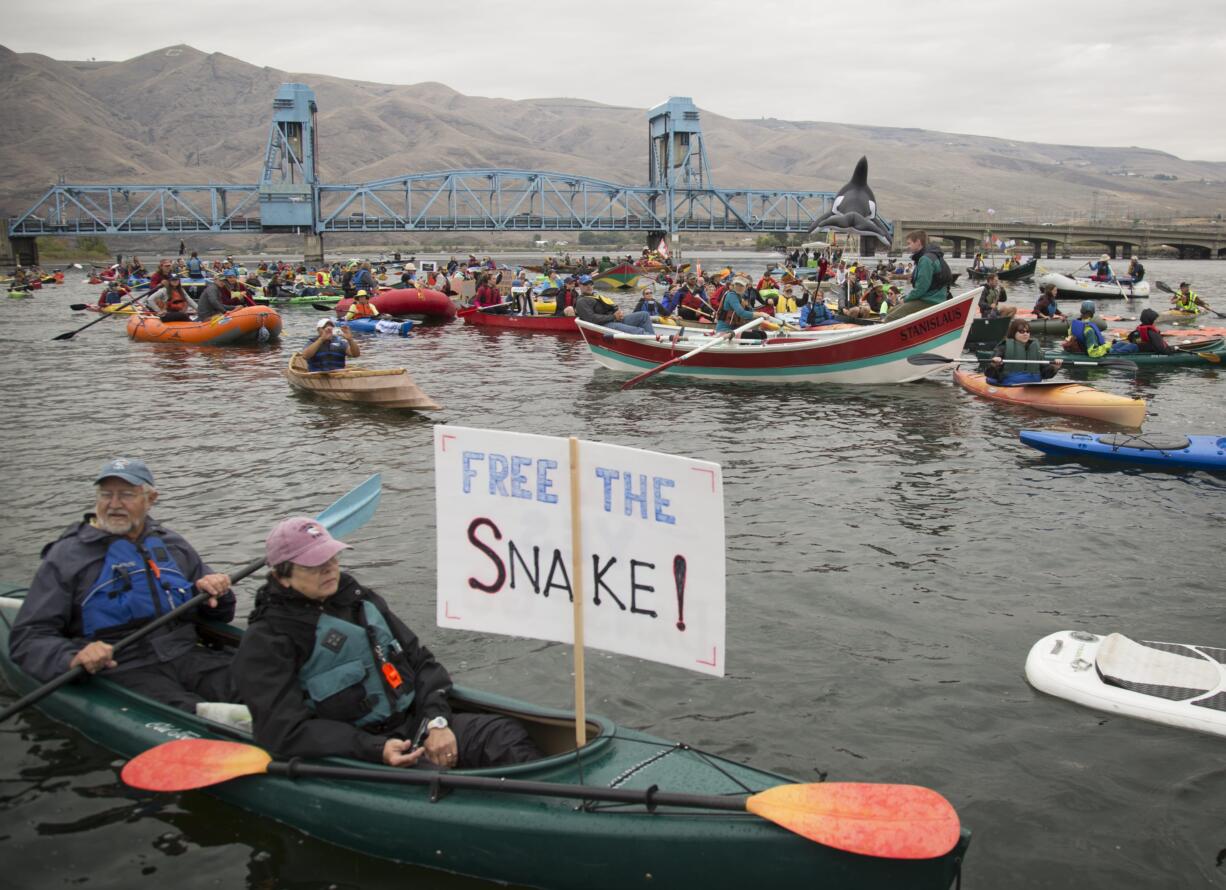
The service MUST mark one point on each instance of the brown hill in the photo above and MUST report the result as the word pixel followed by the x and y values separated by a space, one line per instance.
pixel 180 115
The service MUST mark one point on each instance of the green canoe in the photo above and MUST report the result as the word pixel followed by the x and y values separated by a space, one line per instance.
pixel 540 841
pixel 1196 355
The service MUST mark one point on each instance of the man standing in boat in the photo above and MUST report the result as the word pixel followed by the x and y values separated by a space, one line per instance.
pixel 929 282
pixel 992 299
pixel 327 351
pixel 108 575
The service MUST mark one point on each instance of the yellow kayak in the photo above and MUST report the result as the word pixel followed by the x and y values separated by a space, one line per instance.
pixel 1075 399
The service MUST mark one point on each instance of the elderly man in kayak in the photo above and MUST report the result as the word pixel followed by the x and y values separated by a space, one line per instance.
pixel 111 573
pixel 594 310
pixel 327 351
pixel 328 670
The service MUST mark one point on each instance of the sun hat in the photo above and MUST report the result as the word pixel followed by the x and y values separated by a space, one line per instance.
pixel 301 540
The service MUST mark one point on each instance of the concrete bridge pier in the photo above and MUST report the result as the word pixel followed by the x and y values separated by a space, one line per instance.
pixel 18 252
pixel 313 248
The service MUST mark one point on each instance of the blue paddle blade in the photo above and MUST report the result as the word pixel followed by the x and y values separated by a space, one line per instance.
pixel 353 510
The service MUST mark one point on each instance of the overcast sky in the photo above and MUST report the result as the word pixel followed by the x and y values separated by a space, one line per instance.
pixel 1143 73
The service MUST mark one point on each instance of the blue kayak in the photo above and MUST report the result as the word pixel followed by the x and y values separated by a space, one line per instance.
pixel 379 326
pixel 1173 452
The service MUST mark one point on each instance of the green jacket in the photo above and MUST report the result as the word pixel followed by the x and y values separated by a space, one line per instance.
pixel 922 289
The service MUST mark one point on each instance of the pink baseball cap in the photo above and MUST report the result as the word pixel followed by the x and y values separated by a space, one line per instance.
pixel 301 540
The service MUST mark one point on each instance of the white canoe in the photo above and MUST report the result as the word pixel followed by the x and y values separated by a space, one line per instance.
pixel 1084 288
pixel 1179 685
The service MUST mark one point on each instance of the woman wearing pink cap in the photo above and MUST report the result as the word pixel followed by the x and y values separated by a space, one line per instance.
pixel 328 670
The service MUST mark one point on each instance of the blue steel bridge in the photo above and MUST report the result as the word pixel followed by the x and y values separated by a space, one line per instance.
pixel 679 196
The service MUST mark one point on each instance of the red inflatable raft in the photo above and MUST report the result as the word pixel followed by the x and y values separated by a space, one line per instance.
pixel 409 301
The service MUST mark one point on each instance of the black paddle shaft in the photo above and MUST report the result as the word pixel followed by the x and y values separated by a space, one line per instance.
pixel 47 688
pixel 648 797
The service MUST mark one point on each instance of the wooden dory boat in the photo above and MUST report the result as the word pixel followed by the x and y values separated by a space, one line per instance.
pixel 531 839
pixel 1075 399
pixel 391 388
pixel 875 353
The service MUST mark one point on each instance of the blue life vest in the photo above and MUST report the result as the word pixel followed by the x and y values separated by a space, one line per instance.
pixel 127 594
pixel 344 656
pixel 815 313
pixel 194 267
pixel 1078 328
pixel 330 356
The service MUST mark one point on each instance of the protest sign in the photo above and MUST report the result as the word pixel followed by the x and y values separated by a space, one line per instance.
pixel 651 558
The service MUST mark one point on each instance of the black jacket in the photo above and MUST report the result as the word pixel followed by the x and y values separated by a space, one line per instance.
pixel 280 638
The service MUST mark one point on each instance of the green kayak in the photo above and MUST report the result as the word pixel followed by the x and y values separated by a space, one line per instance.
pixel 1209 352
pixel 993 330
pixel 331 299
pixel 532 839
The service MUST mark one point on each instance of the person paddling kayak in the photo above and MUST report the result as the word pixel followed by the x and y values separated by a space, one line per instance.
pixel 1188 300
pixel 112 572
pixel 1085 335
pixel 1019 347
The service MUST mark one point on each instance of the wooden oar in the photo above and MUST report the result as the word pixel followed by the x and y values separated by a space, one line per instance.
pixel 693 352
pixel 348 514
pixel 105 315
pixel 473 310
pixel 886 821
pixel 931 358
pixel 1166 288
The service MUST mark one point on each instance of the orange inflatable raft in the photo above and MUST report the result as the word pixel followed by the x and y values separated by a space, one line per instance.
pixel 243 326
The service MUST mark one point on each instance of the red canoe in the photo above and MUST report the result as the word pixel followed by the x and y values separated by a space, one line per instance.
pixel 409 301
pixel 551 324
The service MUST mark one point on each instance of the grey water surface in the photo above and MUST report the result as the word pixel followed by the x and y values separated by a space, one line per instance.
pixel 892 555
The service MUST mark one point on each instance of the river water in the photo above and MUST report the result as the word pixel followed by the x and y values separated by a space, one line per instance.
pixel 892 554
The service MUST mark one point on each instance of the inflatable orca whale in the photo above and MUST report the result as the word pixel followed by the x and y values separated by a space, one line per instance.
pixel 855 209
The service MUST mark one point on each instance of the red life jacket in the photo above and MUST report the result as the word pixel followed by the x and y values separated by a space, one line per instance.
pixel 176 302
pixel 1144 338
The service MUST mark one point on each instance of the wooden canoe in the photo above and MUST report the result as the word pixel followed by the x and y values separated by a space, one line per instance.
pixel 391 388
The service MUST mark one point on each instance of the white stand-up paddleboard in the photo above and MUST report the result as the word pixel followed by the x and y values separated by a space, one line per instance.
pixel 1180 685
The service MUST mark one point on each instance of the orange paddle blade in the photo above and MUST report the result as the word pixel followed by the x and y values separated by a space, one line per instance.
pixel 889 821
pixel 185 764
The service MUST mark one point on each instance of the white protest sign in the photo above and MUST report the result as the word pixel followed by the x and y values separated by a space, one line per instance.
pixel 652 545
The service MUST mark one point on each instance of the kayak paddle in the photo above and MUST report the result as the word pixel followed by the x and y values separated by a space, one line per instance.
pixel 348 514
pixel 693 352
pixel 886 821
pixel 70 334
pixel 931 358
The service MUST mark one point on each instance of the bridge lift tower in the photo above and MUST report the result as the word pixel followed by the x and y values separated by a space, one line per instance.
pixel 288 189
pixel 676 155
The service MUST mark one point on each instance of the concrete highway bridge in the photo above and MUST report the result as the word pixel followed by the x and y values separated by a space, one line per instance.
pixel 1117 239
